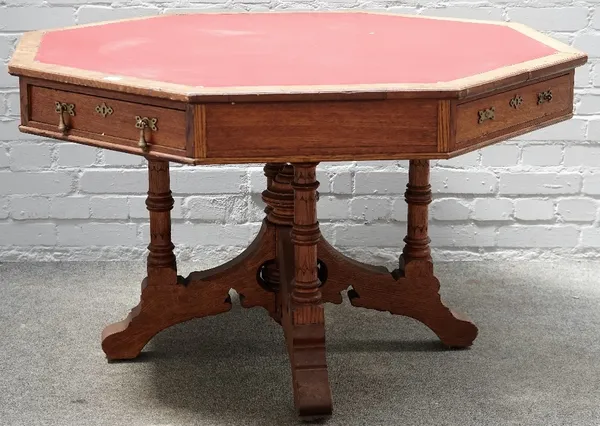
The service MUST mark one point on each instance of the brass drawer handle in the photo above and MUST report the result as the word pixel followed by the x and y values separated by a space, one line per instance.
pixel 144 123
pixel 486 114
pixel 544 97
pixel 61 108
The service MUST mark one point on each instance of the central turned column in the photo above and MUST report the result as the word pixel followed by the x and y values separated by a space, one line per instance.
pixel 303 316
pixel 306 296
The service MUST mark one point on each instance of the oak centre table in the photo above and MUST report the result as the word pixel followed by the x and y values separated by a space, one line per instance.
pixel 291 90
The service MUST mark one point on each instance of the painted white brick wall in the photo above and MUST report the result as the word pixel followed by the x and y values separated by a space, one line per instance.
pixel 534 196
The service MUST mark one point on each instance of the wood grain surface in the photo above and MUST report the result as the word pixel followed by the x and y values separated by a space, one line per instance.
pixel 321 129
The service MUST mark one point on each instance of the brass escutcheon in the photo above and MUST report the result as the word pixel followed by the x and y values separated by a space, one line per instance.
pixel 144 123
pixel 486 114
pixel 516 101
pixel 104 110
pixel 544 97
pixel 61 108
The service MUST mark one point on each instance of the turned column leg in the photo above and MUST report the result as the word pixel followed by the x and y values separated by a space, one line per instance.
pixel 412 290
pixel 416 256
pixel 303 315
pixel 161 263
pixel 125 339
pixel 168 299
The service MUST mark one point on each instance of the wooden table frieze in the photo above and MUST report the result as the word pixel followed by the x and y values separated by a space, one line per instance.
pixel 271 92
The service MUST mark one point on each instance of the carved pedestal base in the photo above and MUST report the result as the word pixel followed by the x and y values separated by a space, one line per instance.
pixel 280 272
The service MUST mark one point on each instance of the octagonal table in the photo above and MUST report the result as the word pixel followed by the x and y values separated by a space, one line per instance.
pixel 291 90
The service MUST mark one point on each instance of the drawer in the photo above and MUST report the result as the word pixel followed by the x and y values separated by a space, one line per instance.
pixel 508 112
pixel 101 118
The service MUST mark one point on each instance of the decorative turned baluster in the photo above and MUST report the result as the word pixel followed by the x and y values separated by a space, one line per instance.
pixel 159 203
pixel 270 170
pixel 416 253
pixel 279 195
pixel 306 297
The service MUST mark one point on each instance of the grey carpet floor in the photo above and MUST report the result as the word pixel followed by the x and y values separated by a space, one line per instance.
pixel 536 360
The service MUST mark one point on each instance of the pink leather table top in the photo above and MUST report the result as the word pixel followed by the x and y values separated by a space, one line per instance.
pixel 269 49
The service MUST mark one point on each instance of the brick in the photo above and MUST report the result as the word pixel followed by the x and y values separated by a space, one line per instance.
pixel 534 209
pixel 596 19
pixel 492 209
pixel 4 158
pixel 3 207
pixel 28 18
pixel 114 181
pixel 75 155
pixel 7 45
pixel 221 209
pixel 590 237
pixel 23 234
pixel 461 236
pixel 539 183
pixel 591 184
pixel 109 207
pixel 258 181
pixel 399 209
pixel 9 130
pixel 200 8
pixel 13 104
pixel 331 208
pixel 209 181
pixel 590 104
pixel 487 13
pixel 138 210
pixel 256 209
pixel 370 209
pixel 116 158
pixel 89 14
pixel 462 182
pixel 377 182
pixel 582 156
pixel 375 235
pixel 324 179
pixel 470 159
pixel 550 19
pixel 570 130
pixel 449 209
pixel 8 81
pixel 97 234
pixel 75 2
pixel 500 155
pixel 583 76
pixel 212 234
pixel 341 183
pixel 29 156
pixel 32 183
pixel 577 209
pixel 588 43
pixel 542 155
pixel 534 236
pixel 76 207
pixel 594 129
pixel 22 208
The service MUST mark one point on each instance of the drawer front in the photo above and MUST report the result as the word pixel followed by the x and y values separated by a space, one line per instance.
pixel 507 112
pixel 101 117
pixel 330 130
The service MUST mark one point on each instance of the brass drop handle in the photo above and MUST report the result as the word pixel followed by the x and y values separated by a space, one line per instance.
pixel 544 97
pixel 144 123
pixel 61 108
